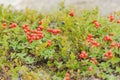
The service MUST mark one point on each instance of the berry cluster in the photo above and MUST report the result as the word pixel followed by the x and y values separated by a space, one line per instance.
pixel 54 31
pixel 107 38
pixel 33 34
pixel 49 43
pixel 113 44
pixel 89 38
pixel 108 54
pixel 111 18
pixel 4 25
pixel 93 42
pixel 71 13
pixel 12 25
pixel 118 21
pixel 67 76
pixel 94 60
pixel 38 34
pixel 83 55
pixel 97 24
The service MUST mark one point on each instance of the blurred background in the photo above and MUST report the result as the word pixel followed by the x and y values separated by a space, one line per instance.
pixel 48 6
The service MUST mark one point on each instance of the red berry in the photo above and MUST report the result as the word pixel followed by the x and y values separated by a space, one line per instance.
pixel 118 21
pixel 83 55
pixel 95 43
pixel 118 45
pixel 33 34
pixel 49 30
pixel 111 34
pixel 94 21
pixel 113 44
pixel 107 38
pixel 13 25
pixel 97 25
pixel 55 32
pixel 31 40
pixel 4 25
pixel 89 68
pixel 111 18
pixel 67 74
pixel 108 54
pixel 67 78
pixel 71 13
pixel 37 37
pixel 49 43
pixel 28 37
pixel 89 38
pixel 26 26
pixel 32 31
pixel 40 28
pixel 39 32
pixel 34 37
pixel 90 35
pixel 40 22
pixel 94 60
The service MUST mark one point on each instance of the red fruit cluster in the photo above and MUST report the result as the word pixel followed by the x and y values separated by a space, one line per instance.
pixel 33 34
pixel 38 34
pixel 89 38
pixel 90 68
pixel 118 21
pixel 97 24
pixel 49 43
pixel 40 28
pixel 54 31
pixel 67 76
pixel 111 18
pixel 113 44
pixel 71 13
pixel 40 22
pixel 95 44
pixel 13 25
pixel 118 45
pixel 111 34
pixel 94 60
pixel 4 25
pixel 108 54
pixel 107 38
pixel 83 55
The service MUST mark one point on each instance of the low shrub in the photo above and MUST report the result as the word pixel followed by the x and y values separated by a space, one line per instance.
pixel 46 47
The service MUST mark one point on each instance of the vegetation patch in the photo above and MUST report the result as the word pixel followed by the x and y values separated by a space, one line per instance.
pixel 62 45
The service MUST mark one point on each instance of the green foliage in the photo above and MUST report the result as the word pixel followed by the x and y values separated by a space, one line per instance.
pixel 23 60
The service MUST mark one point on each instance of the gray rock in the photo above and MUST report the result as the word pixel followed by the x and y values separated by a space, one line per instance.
pixel 48 6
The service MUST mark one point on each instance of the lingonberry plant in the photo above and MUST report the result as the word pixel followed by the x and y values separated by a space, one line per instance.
pixel 59 46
